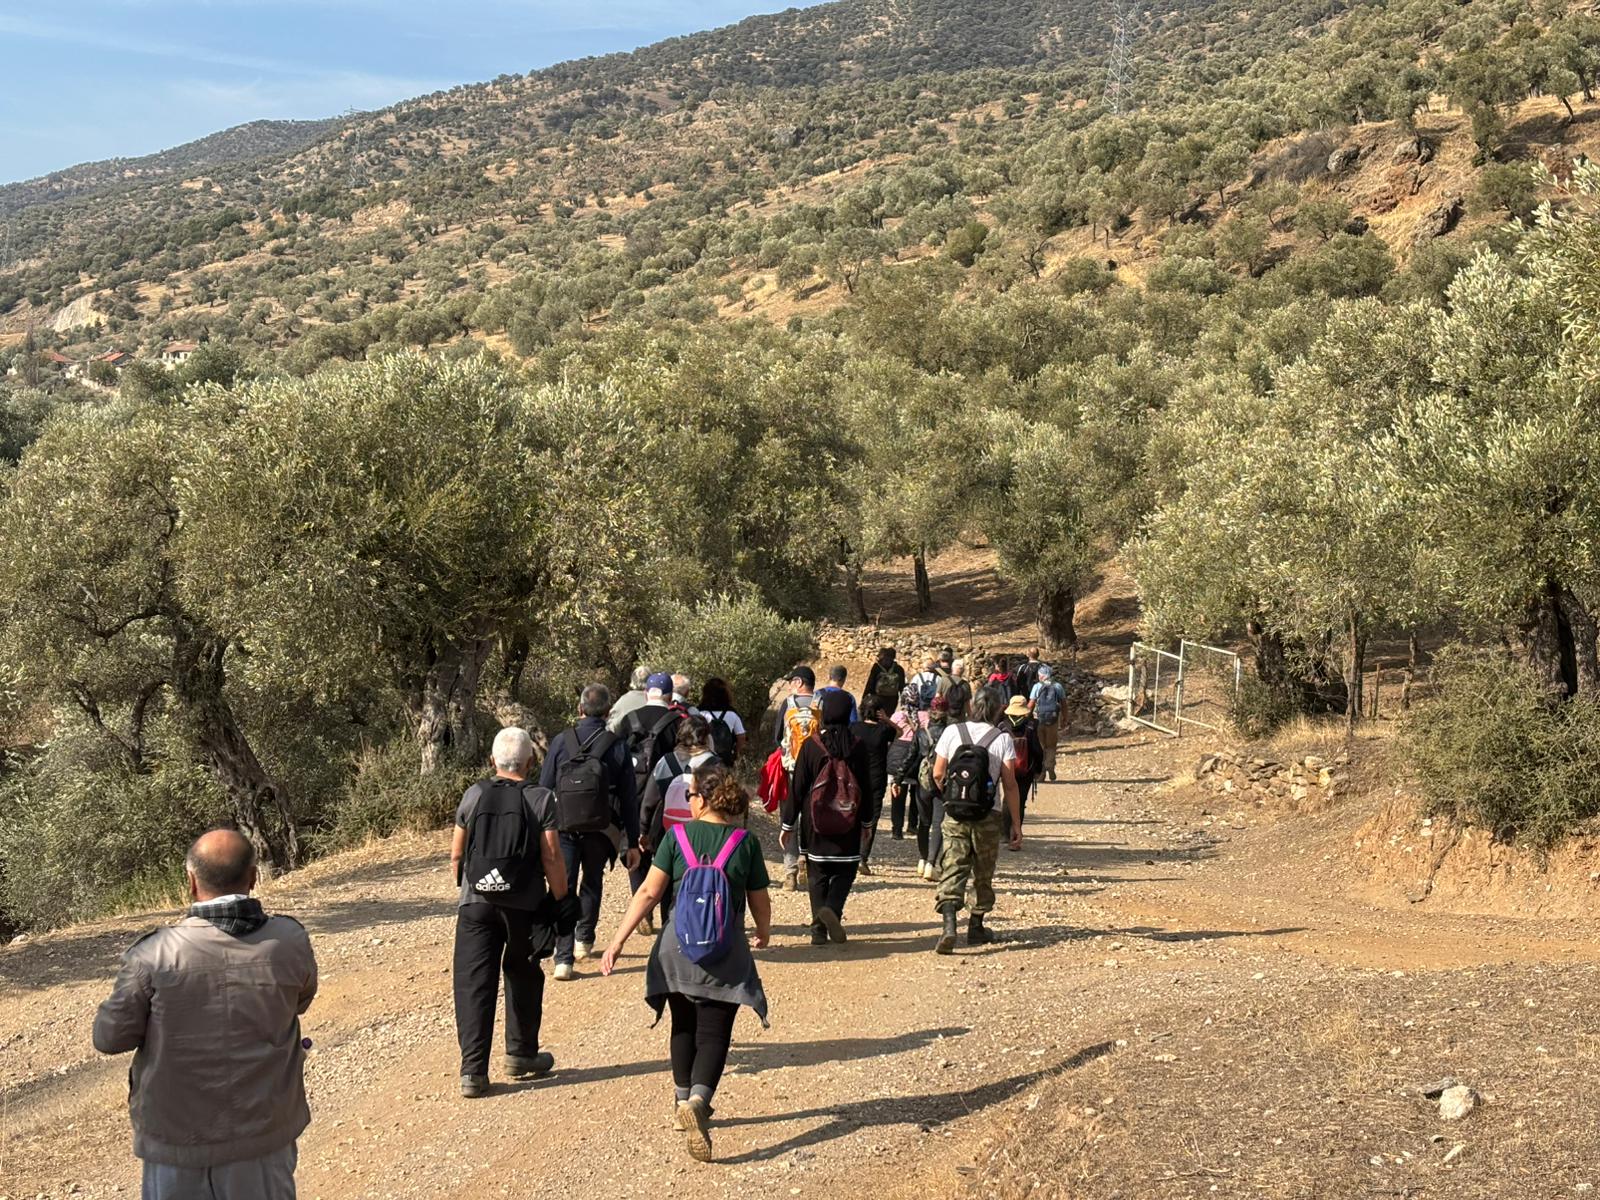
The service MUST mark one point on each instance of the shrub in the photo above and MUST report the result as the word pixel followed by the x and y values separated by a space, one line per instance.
pixel 1495 749
pixel 389 793
pixel 740 640
pixel 82 834
pixel 1262 708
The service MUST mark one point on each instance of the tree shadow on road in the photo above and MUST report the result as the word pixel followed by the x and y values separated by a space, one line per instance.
pixel 841 1120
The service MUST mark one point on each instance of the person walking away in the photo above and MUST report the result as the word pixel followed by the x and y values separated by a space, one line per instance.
pixel 1046 701
pixel 886 679
pixel 798 720
pixel 728 735
pixel 597 814
pixel 959 692
pixel 650 732
pixel 901 765
pixel 680 694
pixel 926 681
pixel 973 766
pixel 876 732
pixel 702 971
pixel 506 856
pixel 636 697
pixel 666 796
pixel 828 807
pixel 999 674
pixel 944 671
pixel 1027 762
pixel 930 806
pixel 837 675
pixel 211 1009
pixel 1027 673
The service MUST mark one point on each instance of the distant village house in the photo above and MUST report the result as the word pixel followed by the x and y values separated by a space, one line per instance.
pixel 177 353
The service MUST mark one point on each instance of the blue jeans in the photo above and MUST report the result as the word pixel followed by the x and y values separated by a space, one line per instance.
pixel 588 857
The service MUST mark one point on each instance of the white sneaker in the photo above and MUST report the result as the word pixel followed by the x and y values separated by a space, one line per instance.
pixel 564 972
pixel 922 868
pixel 929 873
pixel 583 950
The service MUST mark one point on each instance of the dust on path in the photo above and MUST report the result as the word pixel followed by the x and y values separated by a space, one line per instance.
pixel 887 1069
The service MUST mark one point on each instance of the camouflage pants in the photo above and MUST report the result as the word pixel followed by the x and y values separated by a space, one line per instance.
pixel 971 849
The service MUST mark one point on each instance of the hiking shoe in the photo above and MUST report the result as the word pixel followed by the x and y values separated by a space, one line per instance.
pixel 648 926
pixel 791 881
pixel 583 950
pixel 696 1115
pixel 802 876
pixel 947 938
pixel 819 936
pixel 474 1086
pixel 977 934
pixel 678 1122
pixel 565 973
pixel 537 1067
pixel 829 920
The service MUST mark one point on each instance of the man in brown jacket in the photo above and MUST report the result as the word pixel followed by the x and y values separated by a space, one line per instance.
pixel 211 1009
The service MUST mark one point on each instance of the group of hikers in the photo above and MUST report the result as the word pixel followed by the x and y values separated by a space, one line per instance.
pixel 650 781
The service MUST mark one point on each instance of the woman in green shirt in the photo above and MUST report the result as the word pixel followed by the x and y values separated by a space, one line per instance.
pixel 703 998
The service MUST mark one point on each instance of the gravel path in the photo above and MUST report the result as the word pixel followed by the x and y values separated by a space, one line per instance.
pixel 1166 977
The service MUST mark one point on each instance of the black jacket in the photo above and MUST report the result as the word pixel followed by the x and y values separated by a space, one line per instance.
pixel 876 736
pixel 619 775
pixel 796 811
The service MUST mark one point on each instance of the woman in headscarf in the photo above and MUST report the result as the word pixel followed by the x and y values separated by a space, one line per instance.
pixel 902 764
pixel 833 853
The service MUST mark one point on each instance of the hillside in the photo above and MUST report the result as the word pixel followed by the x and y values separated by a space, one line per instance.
pixel 766 168
pixel 241 144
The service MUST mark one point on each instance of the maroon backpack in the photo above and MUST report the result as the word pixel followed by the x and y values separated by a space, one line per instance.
pixel 835 799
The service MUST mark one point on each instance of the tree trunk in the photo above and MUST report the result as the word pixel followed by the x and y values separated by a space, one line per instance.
pixel 1272 666
pixel 858 594
pixel 260 808
pixel 1566 104
pixel 919 567
pixel 1414 648
pixel 1355 659
pixel 1581 629
pixel 1056 610
pixel 1546 638
pixel 444 705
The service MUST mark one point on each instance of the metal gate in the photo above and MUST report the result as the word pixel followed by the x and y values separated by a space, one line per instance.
pixel 1196 686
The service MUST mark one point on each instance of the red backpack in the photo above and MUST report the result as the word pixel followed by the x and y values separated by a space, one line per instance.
pixel 1022 758
pixel 835 798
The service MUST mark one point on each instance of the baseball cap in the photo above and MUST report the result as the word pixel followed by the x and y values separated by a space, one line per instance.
pixel 659 682
pixel 803 675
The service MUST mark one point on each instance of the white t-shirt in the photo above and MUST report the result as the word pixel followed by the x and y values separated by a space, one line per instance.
pixel 1001 751
pixel 730 718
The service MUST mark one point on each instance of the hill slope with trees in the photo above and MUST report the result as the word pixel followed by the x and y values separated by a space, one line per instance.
pixel 1305 330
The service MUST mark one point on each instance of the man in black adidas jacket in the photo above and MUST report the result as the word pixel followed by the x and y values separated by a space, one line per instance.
pixel 506 925
pixel 589 855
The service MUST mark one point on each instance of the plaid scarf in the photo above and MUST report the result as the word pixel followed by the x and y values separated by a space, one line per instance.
pixel 237 917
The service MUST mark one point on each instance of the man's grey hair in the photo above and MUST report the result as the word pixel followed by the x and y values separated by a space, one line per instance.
pixel 680 684
pixel 640 676
pixel 987 706
pixel 513 749
pixel 222 862
pixel 596 700
pixel 958 667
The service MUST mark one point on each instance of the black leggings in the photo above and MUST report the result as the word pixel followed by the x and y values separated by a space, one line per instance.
pixel 702 1031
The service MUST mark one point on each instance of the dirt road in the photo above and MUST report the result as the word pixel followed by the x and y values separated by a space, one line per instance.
pixel 1183 1004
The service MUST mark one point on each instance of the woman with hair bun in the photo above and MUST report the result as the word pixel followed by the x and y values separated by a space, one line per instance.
pixel 703 996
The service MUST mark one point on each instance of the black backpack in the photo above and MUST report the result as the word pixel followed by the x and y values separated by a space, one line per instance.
pixel 902 761
pixel 968 789
pixel 723 742
pixel 648 743
pixel 502 863
pixel 583 792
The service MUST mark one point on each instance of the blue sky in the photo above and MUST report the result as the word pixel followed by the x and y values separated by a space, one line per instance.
pixel 91 79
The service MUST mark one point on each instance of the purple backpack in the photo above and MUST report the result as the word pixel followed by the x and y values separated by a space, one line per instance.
pixel 703 906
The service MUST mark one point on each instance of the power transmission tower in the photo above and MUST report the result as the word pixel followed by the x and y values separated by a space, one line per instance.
pixel 1117 72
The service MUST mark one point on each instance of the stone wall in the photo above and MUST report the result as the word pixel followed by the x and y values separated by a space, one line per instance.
pixel 1303 783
